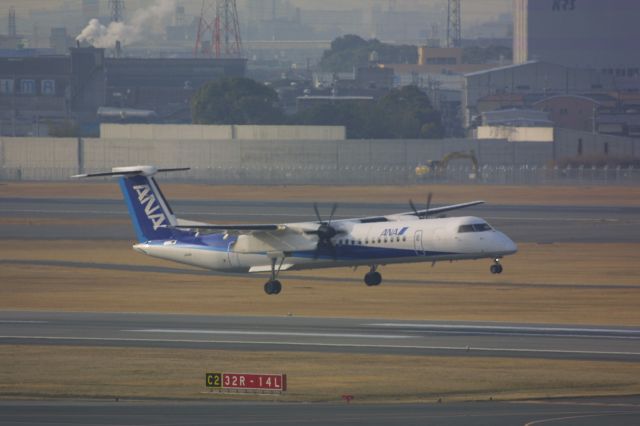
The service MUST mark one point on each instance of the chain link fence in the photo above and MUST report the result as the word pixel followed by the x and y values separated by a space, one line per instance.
pixel 368 175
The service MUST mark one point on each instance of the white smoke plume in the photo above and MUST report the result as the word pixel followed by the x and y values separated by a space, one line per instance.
pixel 143 23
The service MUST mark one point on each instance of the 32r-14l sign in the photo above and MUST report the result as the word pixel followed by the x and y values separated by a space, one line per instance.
pixel 273 382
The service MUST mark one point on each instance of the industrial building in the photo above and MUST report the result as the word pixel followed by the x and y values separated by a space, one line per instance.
pixel 38 93
pixel 522 85
pixel 601 35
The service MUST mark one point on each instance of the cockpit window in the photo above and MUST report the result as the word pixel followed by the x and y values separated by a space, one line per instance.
pixel 476 227
pixel 465 228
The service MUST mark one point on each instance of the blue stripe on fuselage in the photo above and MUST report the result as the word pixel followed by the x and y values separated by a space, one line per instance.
pixel 213 242
pixel 363 253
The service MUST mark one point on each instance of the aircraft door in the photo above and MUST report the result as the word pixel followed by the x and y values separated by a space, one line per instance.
pixel 417 243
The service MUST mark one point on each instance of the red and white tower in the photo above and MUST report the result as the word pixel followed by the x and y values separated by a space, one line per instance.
pixel 218 30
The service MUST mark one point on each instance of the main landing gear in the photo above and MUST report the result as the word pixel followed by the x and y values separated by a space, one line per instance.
pixel 273 286
pixel 496 268
pixel 372 278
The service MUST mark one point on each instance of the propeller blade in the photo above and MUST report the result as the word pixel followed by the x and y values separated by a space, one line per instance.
pixel 333 210
pixel 315 209
pixel 426 213
pixel 413 207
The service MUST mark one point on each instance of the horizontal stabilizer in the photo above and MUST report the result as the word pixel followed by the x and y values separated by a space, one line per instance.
pixel 132 171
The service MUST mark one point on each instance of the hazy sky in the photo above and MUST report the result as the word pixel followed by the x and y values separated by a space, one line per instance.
pixel 472 10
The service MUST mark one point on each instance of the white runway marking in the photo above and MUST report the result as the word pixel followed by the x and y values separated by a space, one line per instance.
pixel 270 333
pixel 22 322
pixel 332 345
pixel 580 332
pixel 213 214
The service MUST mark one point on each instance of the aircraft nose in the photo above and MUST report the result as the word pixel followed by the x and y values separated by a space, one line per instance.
pixel 509 246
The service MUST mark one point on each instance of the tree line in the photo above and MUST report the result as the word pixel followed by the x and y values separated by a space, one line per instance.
pixel 403 113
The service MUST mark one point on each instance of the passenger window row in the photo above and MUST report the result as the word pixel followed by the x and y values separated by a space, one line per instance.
pixel 372 241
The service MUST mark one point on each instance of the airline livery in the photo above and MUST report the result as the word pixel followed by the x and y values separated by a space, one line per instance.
pixel 415 236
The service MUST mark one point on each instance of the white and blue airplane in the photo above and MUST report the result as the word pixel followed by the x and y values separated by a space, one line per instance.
pixel 415 236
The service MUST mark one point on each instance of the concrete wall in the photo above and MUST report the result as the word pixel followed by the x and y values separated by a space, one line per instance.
pixel 222 132
pixel 593 145
pixel 160 131
pixel 290 132
pixel 40 158
pixel 516 134
pixel 287 161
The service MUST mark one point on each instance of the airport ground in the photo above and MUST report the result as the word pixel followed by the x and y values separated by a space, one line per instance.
pixel 66 249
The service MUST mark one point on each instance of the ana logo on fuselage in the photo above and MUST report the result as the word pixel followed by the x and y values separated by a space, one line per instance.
pixel 148 200
pixel 393 232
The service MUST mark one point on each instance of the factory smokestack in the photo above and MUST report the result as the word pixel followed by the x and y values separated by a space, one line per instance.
pixel 143 23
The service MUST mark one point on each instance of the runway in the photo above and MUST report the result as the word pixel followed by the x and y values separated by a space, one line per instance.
pixel 541 224
pixel 305 334
pixel 622 411
pixel 98 219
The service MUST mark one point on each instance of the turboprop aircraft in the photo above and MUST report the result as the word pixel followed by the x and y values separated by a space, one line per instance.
pixel 415 236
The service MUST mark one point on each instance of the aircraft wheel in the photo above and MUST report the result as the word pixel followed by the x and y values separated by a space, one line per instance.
pixel 373 278
pixel 496 268
pixel 273 287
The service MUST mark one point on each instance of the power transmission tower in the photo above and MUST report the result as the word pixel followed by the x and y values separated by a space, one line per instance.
pixel 13 30
pixel 218 21
pixel 454 26
pixel 117 10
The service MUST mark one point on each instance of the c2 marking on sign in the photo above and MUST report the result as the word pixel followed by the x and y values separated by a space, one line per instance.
pixel 213 380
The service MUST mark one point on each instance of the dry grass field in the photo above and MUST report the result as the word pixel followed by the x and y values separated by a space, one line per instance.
pixel 84 372
pixel 555 283
pixel 551 283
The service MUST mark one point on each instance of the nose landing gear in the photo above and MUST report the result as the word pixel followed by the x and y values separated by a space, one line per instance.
pixel 496 268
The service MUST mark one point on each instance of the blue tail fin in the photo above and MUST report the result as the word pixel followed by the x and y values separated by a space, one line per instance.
pixel 152 217
pixel 150 212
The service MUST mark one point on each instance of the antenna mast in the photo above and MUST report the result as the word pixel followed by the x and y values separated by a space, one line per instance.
pixel 117 10
pixel 13 31
pixel 454 26
pixel 218 30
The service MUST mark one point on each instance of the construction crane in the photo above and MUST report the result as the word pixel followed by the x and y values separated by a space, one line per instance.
pixel 437 168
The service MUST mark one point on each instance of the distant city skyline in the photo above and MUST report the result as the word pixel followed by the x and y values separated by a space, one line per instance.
pixel 476 10
pixel 417 19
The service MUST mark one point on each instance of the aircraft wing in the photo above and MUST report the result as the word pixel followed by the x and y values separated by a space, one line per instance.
pixel 399 216
pixel 239 227
pixel 438 210
pixel 259 238
pixel 300 228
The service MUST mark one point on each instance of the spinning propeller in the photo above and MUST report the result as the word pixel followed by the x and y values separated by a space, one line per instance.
pixel 325 232
pixel 426 212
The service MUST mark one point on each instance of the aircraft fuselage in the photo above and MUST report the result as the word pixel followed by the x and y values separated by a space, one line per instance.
pixel 378 243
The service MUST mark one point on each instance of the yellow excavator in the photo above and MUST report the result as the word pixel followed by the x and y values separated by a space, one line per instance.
pixel 437 168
